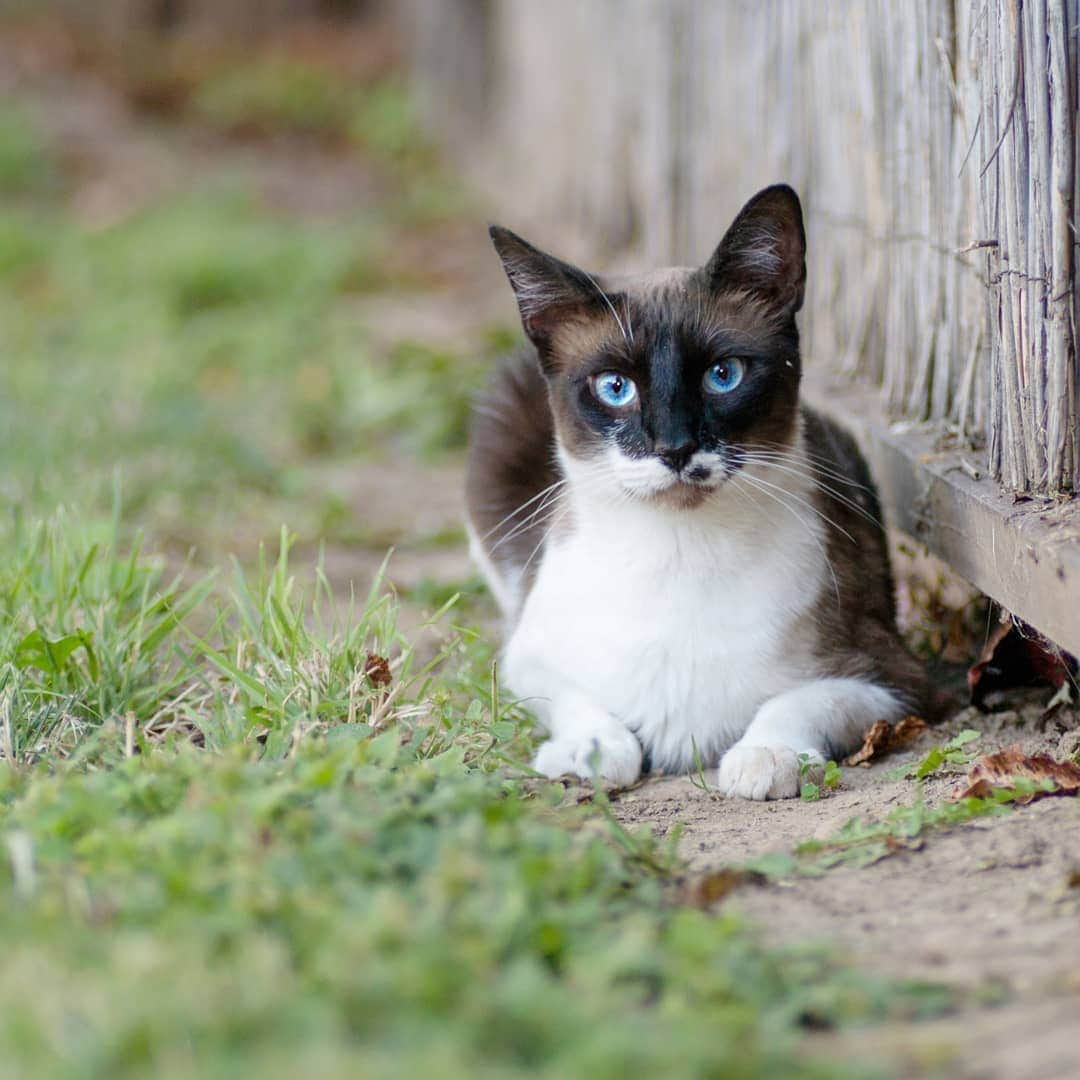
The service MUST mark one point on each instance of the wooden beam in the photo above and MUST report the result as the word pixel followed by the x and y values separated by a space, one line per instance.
pixel 1023 553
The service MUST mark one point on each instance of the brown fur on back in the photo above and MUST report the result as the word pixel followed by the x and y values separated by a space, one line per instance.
pixel 511 462
pixel 858 635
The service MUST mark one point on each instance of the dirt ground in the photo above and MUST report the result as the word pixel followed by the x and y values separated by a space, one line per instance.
pixel 992 908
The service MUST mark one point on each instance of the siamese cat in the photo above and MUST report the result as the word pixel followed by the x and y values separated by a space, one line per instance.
pixel 691 564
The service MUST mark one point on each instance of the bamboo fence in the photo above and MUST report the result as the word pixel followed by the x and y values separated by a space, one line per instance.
pixel 933 142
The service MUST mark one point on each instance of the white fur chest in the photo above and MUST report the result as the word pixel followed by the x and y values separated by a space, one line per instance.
pixel 679 623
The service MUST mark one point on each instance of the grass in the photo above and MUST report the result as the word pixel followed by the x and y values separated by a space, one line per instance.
pixel 210 351
pixel 246 823
pixel 948 757
pixel 232 841
pixel 859 843
pixel 809 791
pixel 85 635
pixel 25 165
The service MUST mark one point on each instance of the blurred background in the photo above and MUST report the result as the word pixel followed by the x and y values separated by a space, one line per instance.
pixel 244 277
pixel 240 286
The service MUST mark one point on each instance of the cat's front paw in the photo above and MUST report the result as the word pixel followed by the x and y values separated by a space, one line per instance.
pixel 615 754
pixel 766 772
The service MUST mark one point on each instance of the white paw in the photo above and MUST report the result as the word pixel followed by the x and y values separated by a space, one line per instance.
pixel 618 756
pixel 766 772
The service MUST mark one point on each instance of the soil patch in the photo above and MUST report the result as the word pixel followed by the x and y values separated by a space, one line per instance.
pixel 990 908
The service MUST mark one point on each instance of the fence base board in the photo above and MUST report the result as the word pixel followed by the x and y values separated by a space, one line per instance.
pixel 1023 553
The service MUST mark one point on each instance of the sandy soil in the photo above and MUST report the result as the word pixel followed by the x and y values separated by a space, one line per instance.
pixel 992 908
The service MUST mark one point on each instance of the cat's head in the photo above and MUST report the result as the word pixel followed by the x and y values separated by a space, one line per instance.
pixel 662 385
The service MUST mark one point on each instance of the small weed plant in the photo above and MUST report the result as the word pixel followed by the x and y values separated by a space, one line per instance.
pixel 949 757
pixel 809 789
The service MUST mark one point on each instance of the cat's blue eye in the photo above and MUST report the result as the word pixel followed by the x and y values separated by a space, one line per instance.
pixel 724 376
pixel 614 390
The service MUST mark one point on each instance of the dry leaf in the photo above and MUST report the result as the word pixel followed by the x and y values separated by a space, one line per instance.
pixel 377 670
pixel 883 738
pixel 704 890
pixel 1017 655
pixel 904 843
pixel 1003 769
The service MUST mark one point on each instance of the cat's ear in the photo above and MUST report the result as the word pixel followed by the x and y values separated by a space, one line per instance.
pixel 764 251
pixel 547 289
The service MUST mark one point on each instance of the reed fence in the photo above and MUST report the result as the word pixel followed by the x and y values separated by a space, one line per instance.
pixel 933 142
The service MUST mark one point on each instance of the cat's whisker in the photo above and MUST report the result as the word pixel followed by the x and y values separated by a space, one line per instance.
pixel 823 463
pixel 721 338
pixel 524 506
pixel 559 516
pixel 480 408
pixel 801 460
pixel 755 482
pixel 611 307
pixel 851 504
pixel 801 454
pixel 750 499
pixel 809 506
pixel 818 465
pixel 791 468
pixel 794 467
pixel 523 526
pixel 534 520
pixel 518 509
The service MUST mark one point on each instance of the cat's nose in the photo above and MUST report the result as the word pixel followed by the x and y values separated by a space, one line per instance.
pixel 675 456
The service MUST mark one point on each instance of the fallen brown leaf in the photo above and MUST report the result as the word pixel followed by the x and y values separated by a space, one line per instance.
pixel 704 890
pixel 1003 769
pixel 903 843
pixel 883 738
pixel 377 670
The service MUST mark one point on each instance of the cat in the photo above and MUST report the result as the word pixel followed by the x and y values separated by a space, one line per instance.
pixel 690 564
